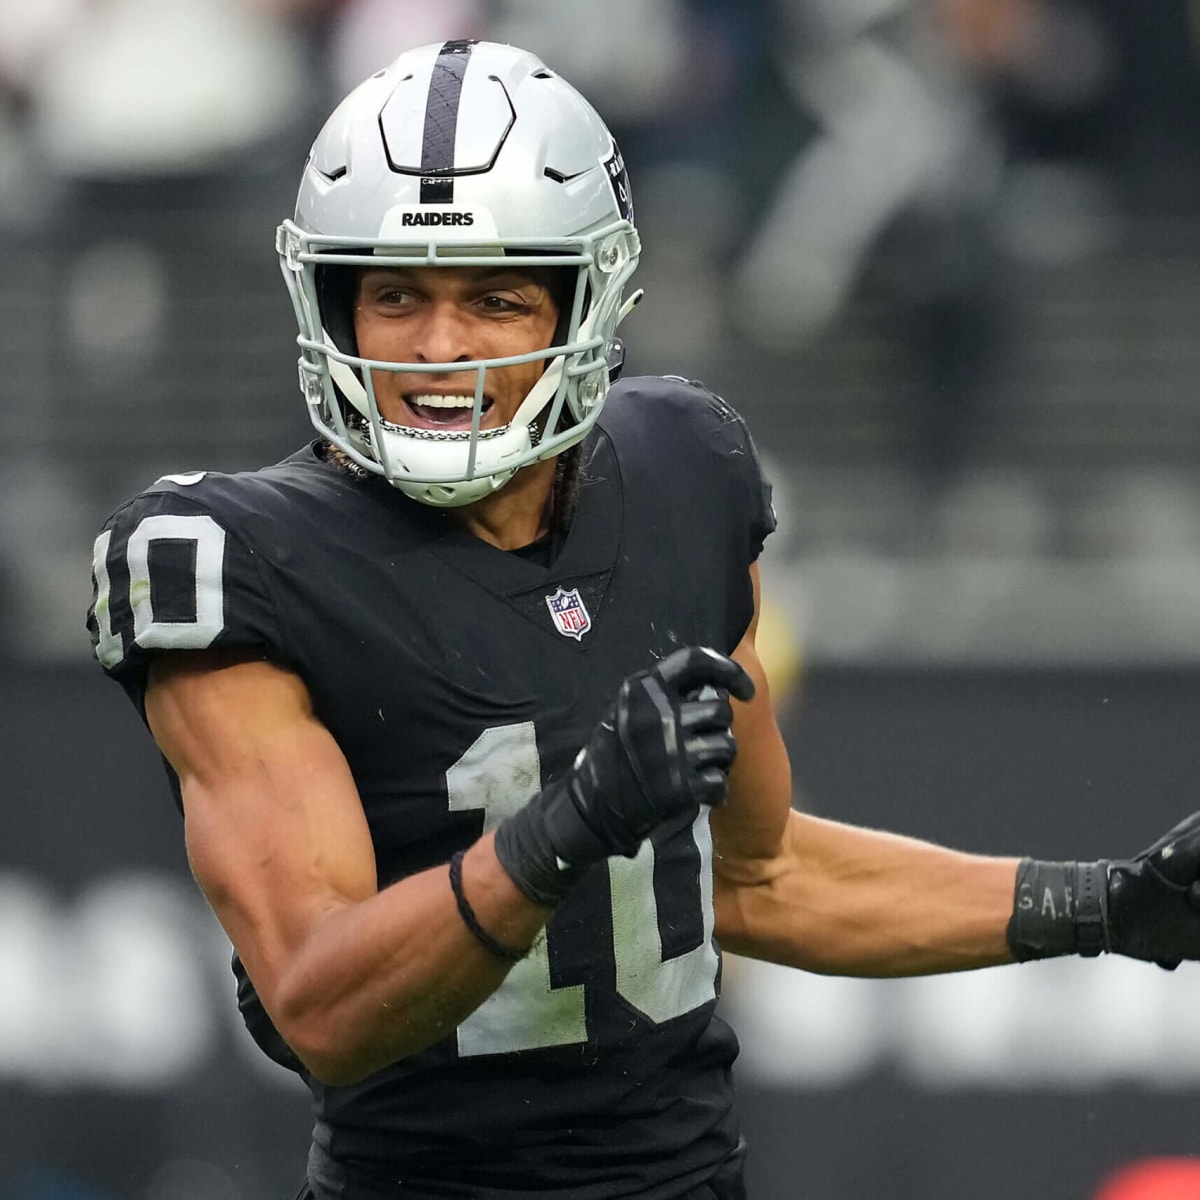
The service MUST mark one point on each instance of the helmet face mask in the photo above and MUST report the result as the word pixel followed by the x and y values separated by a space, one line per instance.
pixel 460 155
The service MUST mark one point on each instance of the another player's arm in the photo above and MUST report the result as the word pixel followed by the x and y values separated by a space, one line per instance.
pixel 795 889
pixel 353 977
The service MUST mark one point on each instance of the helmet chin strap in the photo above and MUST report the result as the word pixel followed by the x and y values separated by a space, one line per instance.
pixel 540 395
pixel 345 378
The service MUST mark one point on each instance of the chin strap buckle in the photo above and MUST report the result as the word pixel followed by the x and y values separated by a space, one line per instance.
pixel 312 387
pixel 616 360
pixel 287 246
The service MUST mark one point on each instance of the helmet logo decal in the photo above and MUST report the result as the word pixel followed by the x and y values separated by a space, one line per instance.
pixel 571 617
pixel 441 123
pixel 618 178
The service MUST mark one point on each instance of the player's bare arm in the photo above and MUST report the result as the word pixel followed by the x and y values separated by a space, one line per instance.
pixel 806 892
pixel 795 889
pixel 353 977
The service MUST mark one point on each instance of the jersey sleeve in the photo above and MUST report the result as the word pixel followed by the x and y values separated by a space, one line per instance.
pixel 733 459
pixel 168 573
pixel 736 445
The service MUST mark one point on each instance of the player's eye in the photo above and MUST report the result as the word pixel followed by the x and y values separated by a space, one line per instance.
pixel 495 302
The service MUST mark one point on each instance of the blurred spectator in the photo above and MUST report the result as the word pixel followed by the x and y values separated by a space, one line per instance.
pixel 164 87
pixel 907 157
pixel 138 135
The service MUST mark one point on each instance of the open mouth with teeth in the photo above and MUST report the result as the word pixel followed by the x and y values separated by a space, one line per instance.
pixel 432 411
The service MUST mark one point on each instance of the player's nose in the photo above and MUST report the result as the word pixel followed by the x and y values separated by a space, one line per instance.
pixel 442 336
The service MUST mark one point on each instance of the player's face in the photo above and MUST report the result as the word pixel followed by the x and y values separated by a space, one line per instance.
pixel 447 315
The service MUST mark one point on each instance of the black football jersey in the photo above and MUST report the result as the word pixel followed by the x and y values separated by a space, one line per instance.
pixel 458 679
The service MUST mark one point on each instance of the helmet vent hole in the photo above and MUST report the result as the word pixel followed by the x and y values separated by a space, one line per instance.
pixel 543 74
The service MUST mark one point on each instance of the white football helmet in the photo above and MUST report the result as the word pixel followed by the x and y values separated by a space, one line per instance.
pixel 454 155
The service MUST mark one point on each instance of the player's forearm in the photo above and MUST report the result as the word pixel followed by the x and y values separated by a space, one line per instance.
pixel 841 900
pixel 379 980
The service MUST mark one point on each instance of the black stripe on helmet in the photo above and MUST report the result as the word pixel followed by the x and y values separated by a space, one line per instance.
pixel 441 122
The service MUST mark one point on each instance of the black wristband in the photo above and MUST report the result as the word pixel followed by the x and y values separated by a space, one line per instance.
pixel 1091 910
pixel 1059 908
pixel 471 921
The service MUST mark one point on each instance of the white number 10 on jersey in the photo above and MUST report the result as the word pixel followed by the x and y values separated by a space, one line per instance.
pixel 500 773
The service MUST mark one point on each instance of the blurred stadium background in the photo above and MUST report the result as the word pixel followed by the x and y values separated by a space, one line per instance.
pixel 945 256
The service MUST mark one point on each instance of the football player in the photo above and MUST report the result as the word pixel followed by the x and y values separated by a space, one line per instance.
pixel 451 695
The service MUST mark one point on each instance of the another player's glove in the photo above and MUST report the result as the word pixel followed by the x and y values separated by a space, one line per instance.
pixel 663 748
pixel 1147 907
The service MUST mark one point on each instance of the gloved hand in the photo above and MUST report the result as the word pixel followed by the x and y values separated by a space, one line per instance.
pixel 663 748
pixel 1146 907
pixel 1154 899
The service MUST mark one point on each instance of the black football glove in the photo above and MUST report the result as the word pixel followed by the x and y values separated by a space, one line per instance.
pixel 663 748
pixel 1146 907
pixel 1154 899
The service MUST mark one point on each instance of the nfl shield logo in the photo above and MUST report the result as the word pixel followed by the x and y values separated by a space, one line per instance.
pixel 571 618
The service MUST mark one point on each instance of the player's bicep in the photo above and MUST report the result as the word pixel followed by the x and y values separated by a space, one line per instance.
pixel 749 829
pixel 275 830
